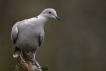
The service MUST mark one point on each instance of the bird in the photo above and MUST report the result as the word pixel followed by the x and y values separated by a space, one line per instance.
pixel 28 34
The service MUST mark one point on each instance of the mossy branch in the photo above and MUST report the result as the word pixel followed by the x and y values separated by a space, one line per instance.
pixel 23 64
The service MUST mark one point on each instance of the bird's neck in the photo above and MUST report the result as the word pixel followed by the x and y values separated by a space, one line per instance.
pixel 42 18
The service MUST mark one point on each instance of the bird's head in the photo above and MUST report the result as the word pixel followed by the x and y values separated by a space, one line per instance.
pixel 49 13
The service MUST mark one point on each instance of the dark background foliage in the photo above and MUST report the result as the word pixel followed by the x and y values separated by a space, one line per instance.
pixel 76 43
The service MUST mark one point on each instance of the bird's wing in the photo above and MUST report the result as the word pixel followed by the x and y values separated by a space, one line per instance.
pixel 14 33
pixel 41 39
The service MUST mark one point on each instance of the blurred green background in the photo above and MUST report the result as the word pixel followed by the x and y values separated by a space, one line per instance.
pixel 76 43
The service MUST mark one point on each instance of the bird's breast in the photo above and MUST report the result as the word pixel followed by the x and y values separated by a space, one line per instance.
pixel 28 37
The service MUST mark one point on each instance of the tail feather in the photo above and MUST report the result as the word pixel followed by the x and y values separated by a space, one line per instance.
pixel 16 52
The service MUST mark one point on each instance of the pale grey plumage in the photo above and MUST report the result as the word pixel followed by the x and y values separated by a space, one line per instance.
pixel 14 33
pixel 28 34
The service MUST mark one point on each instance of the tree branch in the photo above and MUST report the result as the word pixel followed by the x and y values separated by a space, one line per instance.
pixel 23 64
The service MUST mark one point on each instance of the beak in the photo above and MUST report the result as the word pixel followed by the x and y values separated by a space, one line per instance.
pixel 57 18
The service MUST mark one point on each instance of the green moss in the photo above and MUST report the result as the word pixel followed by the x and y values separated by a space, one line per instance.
pixel 44 68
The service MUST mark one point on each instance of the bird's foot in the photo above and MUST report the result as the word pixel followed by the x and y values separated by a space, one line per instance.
pixel 21 54
pixel 32 59
pixel 34 62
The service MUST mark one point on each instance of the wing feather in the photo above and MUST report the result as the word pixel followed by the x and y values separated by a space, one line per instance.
pixel 41 39
pixel 14 33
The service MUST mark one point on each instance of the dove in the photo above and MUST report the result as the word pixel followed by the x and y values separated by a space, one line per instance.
pixel 28 34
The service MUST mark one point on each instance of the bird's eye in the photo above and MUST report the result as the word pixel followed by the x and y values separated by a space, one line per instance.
pixel 49 12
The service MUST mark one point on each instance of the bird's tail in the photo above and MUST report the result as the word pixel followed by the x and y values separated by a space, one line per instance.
pixel 16 52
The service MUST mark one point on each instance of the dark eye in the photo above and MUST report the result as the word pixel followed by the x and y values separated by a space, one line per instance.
pixel 49 12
